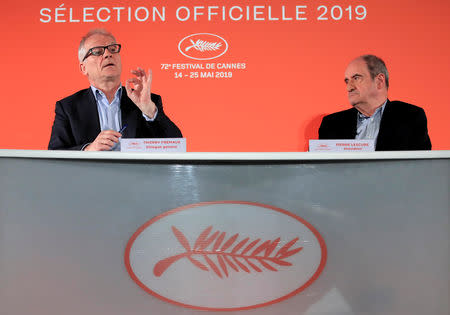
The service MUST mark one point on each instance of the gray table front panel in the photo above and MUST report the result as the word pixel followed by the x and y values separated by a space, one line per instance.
pixel 64 225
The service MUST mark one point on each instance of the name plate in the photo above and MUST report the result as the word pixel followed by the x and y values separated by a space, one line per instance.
pixel 341 145
pixel 160 145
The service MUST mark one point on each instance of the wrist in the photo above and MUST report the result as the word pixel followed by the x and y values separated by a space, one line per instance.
pixel 150 110
pixel 86 146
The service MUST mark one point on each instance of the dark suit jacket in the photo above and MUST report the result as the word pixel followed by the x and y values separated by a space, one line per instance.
pixel 77 122
pixel 403 127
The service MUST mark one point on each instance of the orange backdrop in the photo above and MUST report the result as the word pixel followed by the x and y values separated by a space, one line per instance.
pixel 293 68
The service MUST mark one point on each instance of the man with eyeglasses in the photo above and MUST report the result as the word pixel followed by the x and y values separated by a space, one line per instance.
pixel 393 125
pixel 96 118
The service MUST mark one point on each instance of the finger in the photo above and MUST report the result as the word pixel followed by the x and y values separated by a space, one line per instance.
pixel 137 73
pixel 94 147
pixel 142 71
pixel 105 141
pixel 110 139
pixel 135 85
pixel 134 80
pixel 97 146
pixel 102 147
pixel 111 132
pixel 128 87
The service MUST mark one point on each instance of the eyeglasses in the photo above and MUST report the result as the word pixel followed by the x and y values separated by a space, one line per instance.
pixel 100 50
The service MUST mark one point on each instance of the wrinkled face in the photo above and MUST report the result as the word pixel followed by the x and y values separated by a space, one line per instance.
pixel 100 69
pixel 361 88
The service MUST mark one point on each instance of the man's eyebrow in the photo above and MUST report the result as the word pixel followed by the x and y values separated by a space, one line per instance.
pixel 356 75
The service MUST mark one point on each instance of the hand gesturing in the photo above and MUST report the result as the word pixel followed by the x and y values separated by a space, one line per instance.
pixel 139 91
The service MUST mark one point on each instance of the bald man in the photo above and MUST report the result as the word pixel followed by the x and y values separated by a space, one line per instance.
pixel 393 125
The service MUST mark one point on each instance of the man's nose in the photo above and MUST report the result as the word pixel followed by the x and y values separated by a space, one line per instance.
pixel 350 86
pixel 107 53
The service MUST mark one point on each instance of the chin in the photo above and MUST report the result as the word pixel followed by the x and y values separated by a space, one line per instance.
pixel 110 70
pixel 353 102
pixel 112 78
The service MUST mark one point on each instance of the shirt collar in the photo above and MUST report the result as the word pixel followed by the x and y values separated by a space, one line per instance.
pixel 98 92
pixel 378 111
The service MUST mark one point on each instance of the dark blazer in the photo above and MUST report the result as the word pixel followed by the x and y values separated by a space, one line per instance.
pixel 77 122
pixel 403 127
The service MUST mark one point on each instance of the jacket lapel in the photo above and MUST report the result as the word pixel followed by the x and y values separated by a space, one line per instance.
pixel 89 112
pixel 387 123
pixel 129 115
pixel 350 124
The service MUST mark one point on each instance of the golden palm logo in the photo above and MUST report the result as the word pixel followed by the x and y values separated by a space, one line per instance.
pixel 202 45
pixel 246 255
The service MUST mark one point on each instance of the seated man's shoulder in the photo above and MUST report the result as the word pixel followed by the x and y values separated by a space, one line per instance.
pixel 406 108
pixel 81 94
pixel 407 111
pixel 338 125
pixel 341 114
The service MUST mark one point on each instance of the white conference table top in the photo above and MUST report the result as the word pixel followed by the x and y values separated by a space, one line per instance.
pixel 227 156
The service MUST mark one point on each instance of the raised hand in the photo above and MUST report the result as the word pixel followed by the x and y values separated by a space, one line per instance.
pixel 139 91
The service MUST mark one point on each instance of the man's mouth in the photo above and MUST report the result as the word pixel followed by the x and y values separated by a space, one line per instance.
pixel 108 65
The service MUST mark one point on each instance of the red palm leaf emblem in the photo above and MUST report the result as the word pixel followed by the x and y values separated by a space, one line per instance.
pixel 223 257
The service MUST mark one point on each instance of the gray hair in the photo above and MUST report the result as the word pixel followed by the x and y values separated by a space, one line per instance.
pixel 82 50
pixel 376 66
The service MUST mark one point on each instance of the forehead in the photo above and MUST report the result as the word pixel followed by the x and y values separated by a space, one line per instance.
pixel 357 66
pixel 98 40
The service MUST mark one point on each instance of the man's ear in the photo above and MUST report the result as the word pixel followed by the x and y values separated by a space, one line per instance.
pixel 380 79
pixel 83 68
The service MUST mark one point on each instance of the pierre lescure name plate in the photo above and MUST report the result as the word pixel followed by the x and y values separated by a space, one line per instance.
pixel 341 145
pixel 159 145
